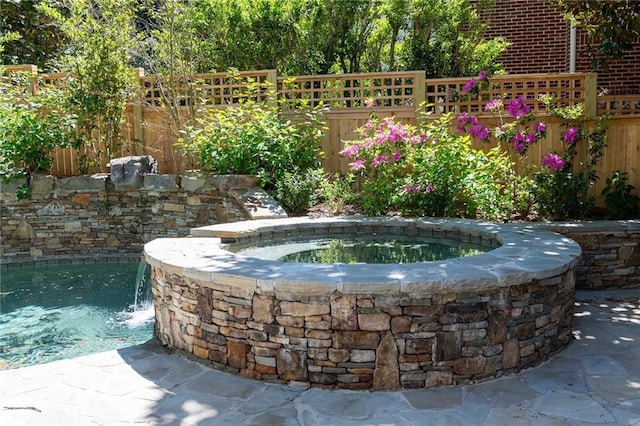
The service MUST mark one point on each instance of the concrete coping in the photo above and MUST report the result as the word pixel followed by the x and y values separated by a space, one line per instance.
pixel 525 254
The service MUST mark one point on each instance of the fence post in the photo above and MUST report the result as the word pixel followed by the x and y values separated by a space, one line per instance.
pixel 138 129
pixel 591 95
pixel 272 79
pixel 419 93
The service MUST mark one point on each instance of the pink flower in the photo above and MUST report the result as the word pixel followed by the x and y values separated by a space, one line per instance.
pixel 493 105
pixel 380 159
pixel 396 156
pixel 518 108
pixel 553 161
pixel 357 165
pixel 428 189
pixel 351 151
pixel 570 135
pixel 530 138
pixel 482 75
pixel 410 189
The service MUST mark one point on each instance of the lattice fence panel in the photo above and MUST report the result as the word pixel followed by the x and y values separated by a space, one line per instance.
pixel 446 95
pixel 350 91
pixel 619 104
pixel 217 89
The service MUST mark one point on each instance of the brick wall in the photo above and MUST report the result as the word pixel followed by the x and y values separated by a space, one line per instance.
pixel 539 37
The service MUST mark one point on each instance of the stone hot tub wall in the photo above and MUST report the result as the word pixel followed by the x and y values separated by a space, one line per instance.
pixel 366 341
pixel 365 326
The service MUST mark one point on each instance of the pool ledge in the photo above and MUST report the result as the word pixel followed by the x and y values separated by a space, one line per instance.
pixel 526 254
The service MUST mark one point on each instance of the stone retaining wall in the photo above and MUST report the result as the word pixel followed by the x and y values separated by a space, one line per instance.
pixel 610 252
pixel 87 216
pixel 362 341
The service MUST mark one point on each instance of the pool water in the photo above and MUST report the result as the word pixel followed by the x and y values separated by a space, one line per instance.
pixel 56 312
pixel 358 250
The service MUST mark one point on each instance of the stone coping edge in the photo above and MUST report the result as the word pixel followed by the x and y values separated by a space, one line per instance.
pixel 527 253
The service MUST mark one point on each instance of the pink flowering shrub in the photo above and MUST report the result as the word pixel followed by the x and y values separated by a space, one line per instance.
pixel 427 171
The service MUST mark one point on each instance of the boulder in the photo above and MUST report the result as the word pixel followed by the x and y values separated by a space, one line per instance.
pixel 128 172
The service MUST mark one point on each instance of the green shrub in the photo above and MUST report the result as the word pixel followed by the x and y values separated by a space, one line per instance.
pixel 619 198
pixel 337 191
pixel 562 191
pixel 253 138
pixel 31 127
pixel 297 191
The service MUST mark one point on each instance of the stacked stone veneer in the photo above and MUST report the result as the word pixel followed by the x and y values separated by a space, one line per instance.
pixel 366 341
pixel 89 216
pixel 372 327
pixel 610 252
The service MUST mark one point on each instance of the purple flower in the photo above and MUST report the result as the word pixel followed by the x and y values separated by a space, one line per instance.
pixel 518 142
pixel 469 85
pixel 357 165
pixel 493 105
pixel 396 156
pixel 518 108
pixel 463 119
pixel 530 138
pixel 539 127
pixel 428 189
pixel 482 75
pixel 553 161
pixel 479 132
pixel 570 135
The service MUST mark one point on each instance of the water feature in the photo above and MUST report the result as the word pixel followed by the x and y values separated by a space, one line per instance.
pixel 61 311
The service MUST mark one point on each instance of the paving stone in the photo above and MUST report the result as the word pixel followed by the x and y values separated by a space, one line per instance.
pixel 578 407
pixel 434 398
pixel 502 392
pixel 602 365
pixel 223 385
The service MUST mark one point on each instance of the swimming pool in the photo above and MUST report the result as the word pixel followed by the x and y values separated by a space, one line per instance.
pixel 56 312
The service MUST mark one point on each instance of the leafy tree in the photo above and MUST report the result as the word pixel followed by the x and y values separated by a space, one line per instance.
pixel 612 25
pixel 445 39
pixel 38 40
pixel 101 35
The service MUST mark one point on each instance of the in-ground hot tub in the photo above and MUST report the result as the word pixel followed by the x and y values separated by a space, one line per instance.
pixel 366 326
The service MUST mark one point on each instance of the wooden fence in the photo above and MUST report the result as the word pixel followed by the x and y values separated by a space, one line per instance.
pixel 148 127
